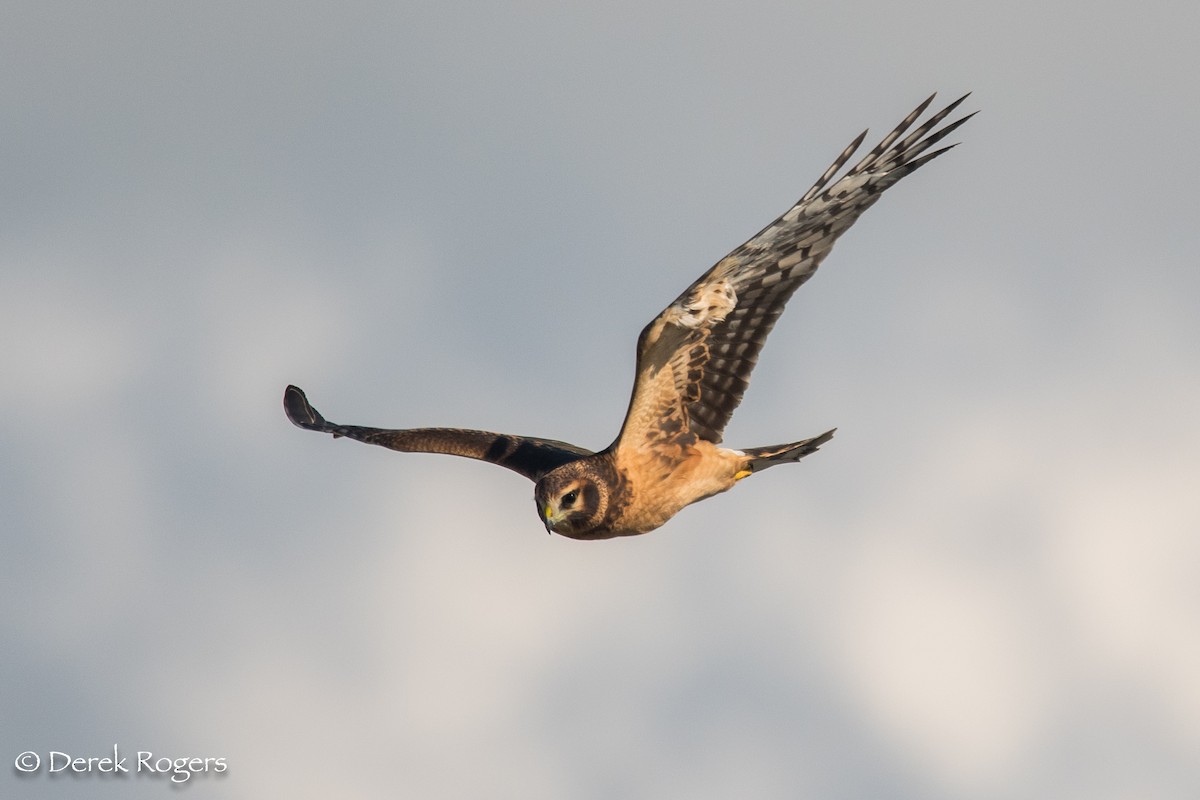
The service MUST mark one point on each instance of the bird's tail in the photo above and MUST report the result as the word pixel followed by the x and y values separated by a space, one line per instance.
pixel 759 458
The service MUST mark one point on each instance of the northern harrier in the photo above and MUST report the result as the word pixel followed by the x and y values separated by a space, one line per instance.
pixel 693 365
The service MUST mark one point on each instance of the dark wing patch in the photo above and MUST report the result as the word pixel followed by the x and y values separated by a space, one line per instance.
pixel 528 456
pixel 711 349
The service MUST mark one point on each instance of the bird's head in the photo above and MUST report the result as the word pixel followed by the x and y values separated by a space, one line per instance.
pixel 571 500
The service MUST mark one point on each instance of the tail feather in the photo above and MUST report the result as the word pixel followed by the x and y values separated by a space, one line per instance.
pixel 759 458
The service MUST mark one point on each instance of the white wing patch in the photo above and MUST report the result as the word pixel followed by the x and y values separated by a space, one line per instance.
pixel 709 304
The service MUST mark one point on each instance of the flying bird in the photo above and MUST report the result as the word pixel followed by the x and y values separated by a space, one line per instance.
pixel 693 366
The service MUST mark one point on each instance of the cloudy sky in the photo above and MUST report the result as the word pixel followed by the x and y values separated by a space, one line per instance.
pixel 462 214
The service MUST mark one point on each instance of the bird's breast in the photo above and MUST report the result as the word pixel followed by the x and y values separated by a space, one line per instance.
pixel 659 486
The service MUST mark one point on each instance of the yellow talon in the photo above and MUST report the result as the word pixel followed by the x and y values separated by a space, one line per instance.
pixel 743 474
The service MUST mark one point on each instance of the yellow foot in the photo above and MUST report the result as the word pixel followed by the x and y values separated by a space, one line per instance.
pixel 743 474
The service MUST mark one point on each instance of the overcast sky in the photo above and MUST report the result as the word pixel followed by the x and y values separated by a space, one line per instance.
pixel 986 586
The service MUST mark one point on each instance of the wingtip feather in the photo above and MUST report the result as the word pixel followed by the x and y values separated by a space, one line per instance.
pixel 299 411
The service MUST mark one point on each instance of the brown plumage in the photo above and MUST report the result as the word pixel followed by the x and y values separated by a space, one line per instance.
pixel 693 365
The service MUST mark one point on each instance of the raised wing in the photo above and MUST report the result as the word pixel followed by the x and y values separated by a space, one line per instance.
pixel 531 457
pixel 694 360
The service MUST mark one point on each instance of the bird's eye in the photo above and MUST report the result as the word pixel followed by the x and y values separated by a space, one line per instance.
pixel 569 498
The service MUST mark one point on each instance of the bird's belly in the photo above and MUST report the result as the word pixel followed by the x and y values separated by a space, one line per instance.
pixel 708 470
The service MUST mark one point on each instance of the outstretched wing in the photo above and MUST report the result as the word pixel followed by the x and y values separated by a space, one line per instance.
pixel 694 360
pixel 532 458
